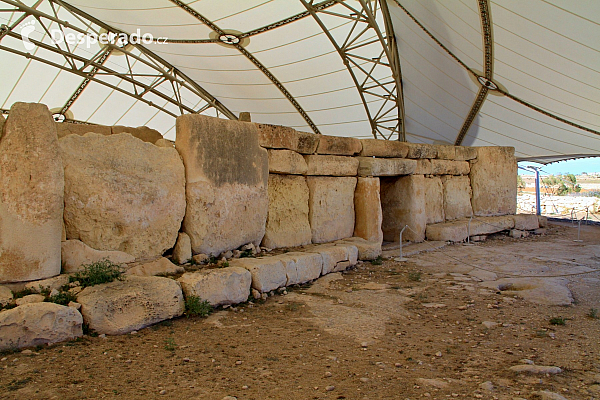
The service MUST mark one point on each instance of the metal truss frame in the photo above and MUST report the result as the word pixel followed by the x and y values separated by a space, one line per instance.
pixel 157 72
pixel 367 63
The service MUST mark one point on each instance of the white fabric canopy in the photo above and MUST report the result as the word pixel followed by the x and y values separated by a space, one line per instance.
pixel 544 57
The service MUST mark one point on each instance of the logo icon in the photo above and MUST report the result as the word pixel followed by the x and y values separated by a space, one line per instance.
pixel 27 30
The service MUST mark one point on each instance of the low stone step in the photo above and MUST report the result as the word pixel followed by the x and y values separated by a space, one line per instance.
pixel 459 230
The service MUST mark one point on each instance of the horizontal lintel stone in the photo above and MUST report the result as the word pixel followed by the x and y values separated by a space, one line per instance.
pixel 369 166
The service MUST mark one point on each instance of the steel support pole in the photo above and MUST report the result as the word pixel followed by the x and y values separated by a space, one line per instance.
pixel 538 207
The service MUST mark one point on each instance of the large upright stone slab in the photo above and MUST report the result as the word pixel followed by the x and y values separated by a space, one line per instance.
pixel 226 183
pixel 282 137
pixel 494 181
pixel 457 197
pixel 287 221
pixel 367 210
pixel 31 195
pixel 331 207
pixel 434 200
pixel 403 203
pixel 122 194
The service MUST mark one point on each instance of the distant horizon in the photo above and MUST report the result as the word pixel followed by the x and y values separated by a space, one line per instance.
pixel 576 167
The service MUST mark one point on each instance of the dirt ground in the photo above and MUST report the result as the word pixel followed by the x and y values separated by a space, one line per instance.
pixel 393 331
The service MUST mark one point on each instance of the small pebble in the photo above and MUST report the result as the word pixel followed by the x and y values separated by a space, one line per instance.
pixel 328 374
pixel 238 362
pixel 27 352
pixel 162 392
pixel 330 388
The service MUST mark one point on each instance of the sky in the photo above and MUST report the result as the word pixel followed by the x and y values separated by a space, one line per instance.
pixel 562 167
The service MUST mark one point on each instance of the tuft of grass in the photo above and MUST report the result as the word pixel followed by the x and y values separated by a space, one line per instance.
pixel 225 264
pixel 246 253
pixel 414 276
pixel 103 271
pixel 62 298
pixel 170 344
pixel 196 307
pixel 17 384
pixel 593 313
pixel 23 293
pixel 557 321
pixel 377 261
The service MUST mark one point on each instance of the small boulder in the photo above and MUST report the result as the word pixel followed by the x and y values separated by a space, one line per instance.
pixel 38 323
pixel 160 266
pixel 546 395
pixel 29 299
pixel 120 307
pixel 182 253
pixel 536 369
pixel 220 286
pixel 75 253
pixel 50 284
pixel 6 295
pixel 200 258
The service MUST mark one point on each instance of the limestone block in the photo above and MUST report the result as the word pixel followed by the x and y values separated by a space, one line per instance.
pixel 449 167
pixel 268 273
pixel 75 253
pixel 122 193
pixel 281 137
pixel 421 150
pixel 526 222
pixel 487 225
pixel 31 195
pixel 455 231
pixel 48 284
pixel 66 128
pixel 120 307
pixel 336 257
pixel 337 145
pixel 434 200
pixel 286 162
pixel 351 257
pixel 37 324
pixel 301 267
pixel 30 299
pixel 367 250
pixel 287 220
pixel 494 181
pixel 226 183
pixel 160 266
pixel 383 148
pixel 543 221
pixel 403 203
pixel 219 286
pixel 465 153
pixel 331 165
pixel 141 132
pixel 182 252
pixel 457 197
pixel 164 143
pixel 6 295
pixel 445 152
pixel 369 166
pixel 423 167
pixel 367 210
pixel 331 207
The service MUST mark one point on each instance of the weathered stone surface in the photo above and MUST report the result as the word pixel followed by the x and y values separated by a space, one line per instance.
pixel 445 152
pixel 455 231
pixel 160 266
pixel 423 167
pixel 182 252
pixel 464 153
pixel 383 148
pixel 122 194
pixel 301 267
pixel 494 181
pixel 449 167
pixel 536 369
pixel 487 225
pixel 75 253
pixel 30 299
pixel 457 197
pixel 164 143
pixel 226 183
pixel 287 221
pixel 282 137
pixel 545 290
pixel 286 162
pixel 39 323
pixel 367 250
pixel 337 145
pixel 6 295
pixel 421 150
pixel 31 195
pixel 369 166
pixel 48 284
pixel 66 128
pixel 268 273
pixel 543 221
pixel 219 287
pixel 123 306
pixel 141 132
pixel 336 257
pixel 459 230
pixel 367 210
pixel 403 203
pixel 2 121
pixel 526 222
pixel 434 200
pixel 331 165
pixel 331 207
